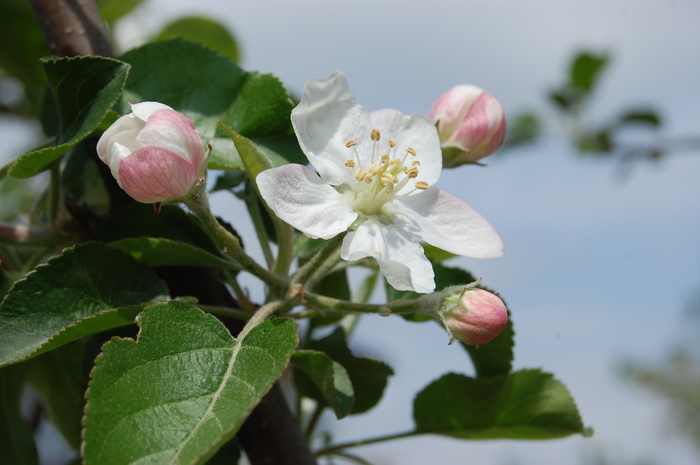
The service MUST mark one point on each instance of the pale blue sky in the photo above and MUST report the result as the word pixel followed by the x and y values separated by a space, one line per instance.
pixel 598 266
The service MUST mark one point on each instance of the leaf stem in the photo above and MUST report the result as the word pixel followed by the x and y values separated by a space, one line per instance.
pixel 311 268
pixel 54 194
pixel 339 447
pixel 315 417
pixel 253 205
pixel 426 304
pixel 230 244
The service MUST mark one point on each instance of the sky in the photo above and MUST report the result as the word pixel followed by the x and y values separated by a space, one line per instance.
pixel 600 261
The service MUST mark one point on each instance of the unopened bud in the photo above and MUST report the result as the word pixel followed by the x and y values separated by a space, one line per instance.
pixel 471 124
pixel 471 315
pixel 154 153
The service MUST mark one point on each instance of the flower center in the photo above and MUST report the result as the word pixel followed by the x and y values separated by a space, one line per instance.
pixel 385 177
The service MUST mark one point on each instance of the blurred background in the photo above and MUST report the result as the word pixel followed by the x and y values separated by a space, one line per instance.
pixel 596 196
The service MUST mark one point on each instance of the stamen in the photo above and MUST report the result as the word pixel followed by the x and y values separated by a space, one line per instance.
pixel 416 163
pixel 392 144
pixel 385 158
pixel 373 169
pixel 375 135
pixel 412 151
pixel 351 143
pixel 394 162
pixel 388 178
pixel 412 172
pixel 422 185
pixel 350 163
pixel 360 174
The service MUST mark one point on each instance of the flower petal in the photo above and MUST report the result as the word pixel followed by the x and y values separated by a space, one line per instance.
pixel 401 259
pixel 174 132
pixel 144 110
pixel 414 131
pixel 154 174
pixel 299 197
pixel 119 140
pixel 327 117
pixel 448 223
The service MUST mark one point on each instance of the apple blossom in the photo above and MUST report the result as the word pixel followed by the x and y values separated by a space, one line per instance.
pixel 154 153
pixel 471 124
pixel 471 315
pixel 375 177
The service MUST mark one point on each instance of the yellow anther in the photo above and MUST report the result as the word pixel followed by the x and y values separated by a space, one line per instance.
pixel 375 135
pixel 368 180
pixel 360 174
pixel 421 185
pixel 388 178
pixel 416 163
pixel 351 143
pixel 392 144
pixel 385 158
pixel 395 161
pixel 350 163
pixel 412 151
pixel 412 172
pixel 373 169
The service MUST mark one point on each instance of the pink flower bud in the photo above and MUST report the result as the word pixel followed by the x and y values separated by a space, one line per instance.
pixel 154 153
pixel 473 316
pixel 471 124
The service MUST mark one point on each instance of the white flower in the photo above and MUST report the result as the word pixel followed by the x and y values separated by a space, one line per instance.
pixel 376 174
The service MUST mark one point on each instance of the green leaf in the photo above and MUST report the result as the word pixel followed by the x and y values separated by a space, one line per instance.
pixel 206 31
pixel 16 439
pixel 19 27
pixel 645 117
pixel 182 389
pixel 60 377
pixel 523 128
pixel 436 255
pixel 527 404
pixel 585 70
pixel 111 10
pixel 86 289
pixel 368 376
pixel 159 252
pixel 209 88
pixel 139 220
pixel 331 380
pixel 86 88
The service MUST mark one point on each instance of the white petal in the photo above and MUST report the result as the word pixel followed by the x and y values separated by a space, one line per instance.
pixel 448 223
pixel 327 117
pixel 300 198
pixel 414 131
pixel 400 257
pixel 144 110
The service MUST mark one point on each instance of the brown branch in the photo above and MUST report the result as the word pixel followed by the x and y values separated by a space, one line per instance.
pixel 72 27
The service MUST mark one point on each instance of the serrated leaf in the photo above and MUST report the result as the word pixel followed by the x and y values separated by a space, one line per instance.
pixel 85 88
pixel 369 377
pixel 645 117
pixel 331 380
pixel 159 252
pixel 86 289
pixel 527 404
pixel 16 439
pixel 182 389
pixel 206 31
pixel 60 377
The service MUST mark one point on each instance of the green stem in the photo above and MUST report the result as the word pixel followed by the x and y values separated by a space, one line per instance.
pixel 339 447
pixel 315 417
pixel 312 267
pixel 54 193
pixel 426 304
pixel 253 205
pixel 230 243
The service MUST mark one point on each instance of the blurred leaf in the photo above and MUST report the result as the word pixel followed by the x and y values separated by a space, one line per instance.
pixel 16 439
pixel 159 252
pixel 523 129
pixel 585 69
pixel 527 404
pixel 85 88
pixel 182 389
pixel 229 180
pixel 111 10
pixel 24 44
pixel 368 376
pixel 60 378
pixel 329 377
pixel 436 255
pixel 645 117
pixel 205 31
pixel 86 289
pixel 561 99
